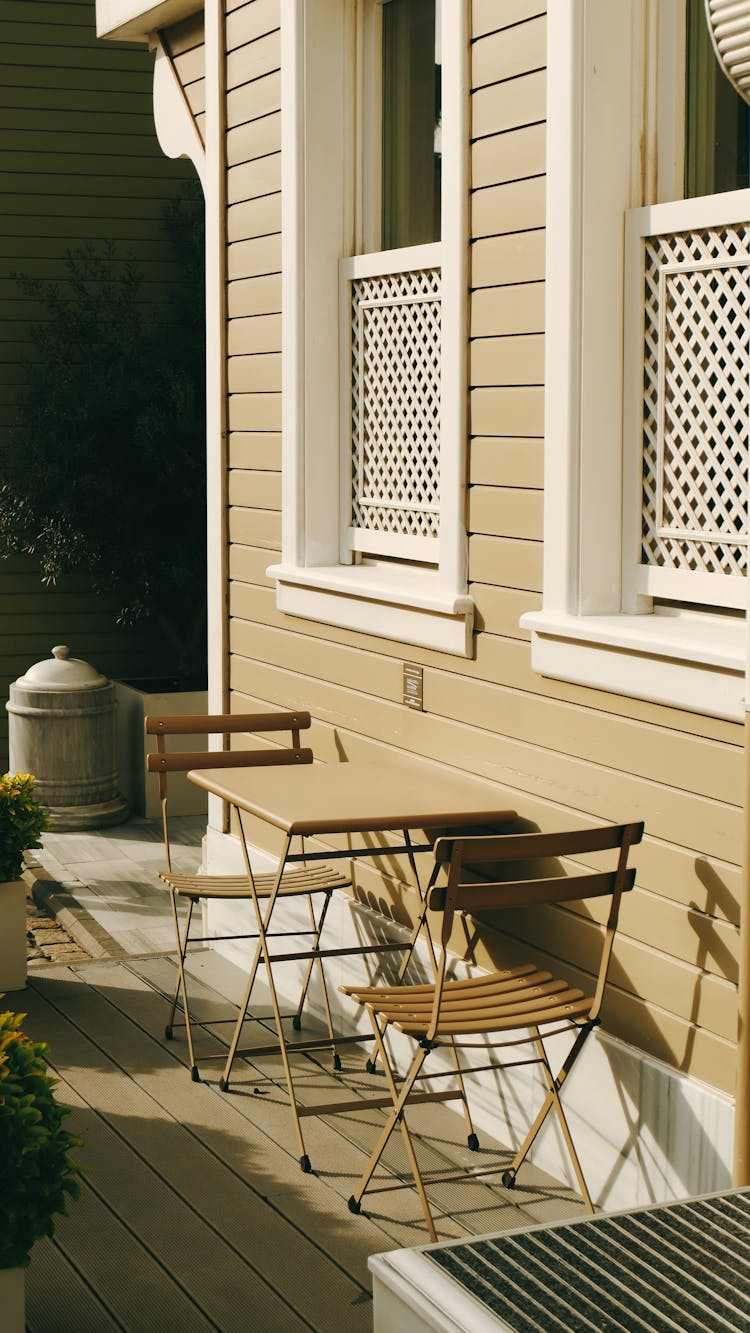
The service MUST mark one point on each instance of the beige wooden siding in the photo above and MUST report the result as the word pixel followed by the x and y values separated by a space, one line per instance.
pixel 254 289
pixel 559 753
pixel 79 164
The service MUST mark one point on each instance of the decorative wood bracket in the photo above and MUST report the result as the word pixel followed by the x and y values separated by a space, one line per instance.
pixel 176 129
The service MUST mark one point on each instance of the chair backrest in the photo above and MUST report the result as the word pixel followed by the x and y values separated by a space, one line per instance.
pixel 527 885
pixel 225 724
pixel 165 761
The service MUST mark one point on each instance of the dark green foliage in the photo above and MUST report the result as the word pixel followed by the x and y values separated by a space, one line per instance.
pixel 37 1176
pixel 106 469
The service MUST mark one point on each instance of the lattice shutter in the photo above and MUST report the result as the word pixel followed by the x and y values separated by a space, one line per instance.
pixel 696 399
pixel 395 414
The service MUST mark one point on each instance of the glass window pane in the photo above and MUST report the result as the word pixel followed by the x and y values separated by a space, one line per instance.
pixel 717 119
pixel 411 124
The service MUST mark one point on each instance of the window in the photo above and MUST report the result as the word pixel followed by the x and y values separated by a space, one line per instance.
pixel 716 117
pixel 688 395
pixel 410 59
pixel 645 516
pixel 374 293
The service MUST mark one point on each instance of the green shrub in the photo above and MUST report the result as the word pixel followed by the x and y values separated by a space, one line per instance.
pixel 36 1173
pixel 22 820
pixel 104 472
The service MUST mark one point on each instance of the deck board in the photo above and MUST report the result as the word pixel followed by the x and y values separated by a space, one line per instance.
pixel 265 1117
pixel 461 1209
pixel 165 1122
pixel 194 1212
pixel 58 1298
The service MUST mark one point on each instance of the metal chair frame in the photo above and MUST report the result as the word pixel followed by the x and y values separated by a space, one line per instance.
pixel 303 880
pixel 525 1002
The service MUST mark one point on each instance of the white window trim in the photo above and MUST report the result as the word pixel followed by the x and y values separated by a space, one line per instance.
pixel 414 549
pixel 417 605
pixel 642 581
pixel 603 70
pixel 134 20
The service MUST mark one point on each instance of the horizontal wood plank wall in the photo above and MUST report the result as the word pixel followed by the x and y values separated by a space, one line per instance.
pixel 559 753
pixel 79 164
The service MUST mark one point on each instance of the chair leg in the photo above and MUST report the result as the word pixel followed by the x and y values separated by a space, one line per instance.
pixel 304 1160
pixel 224 1080
pixel 417 1174
pixel 182 944
pixel 176 993
pixel 553 1099
pixel 554 1091
pixel 323 983
pixel 396 1116
pixel 297 1019
pixel 471 1137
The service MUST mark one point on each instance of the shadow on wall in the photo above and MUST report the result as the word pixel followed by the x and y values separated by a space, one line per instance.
pixel 648 1133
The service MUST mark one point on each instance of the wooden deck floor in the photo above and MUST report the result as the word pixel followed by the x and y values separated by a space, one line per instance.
pixel 194 1213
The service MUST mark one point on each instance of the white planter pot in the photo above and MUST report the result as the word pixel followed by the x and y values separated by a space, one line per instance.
pixel 12 1300
pixel 12 937
pixel 142 789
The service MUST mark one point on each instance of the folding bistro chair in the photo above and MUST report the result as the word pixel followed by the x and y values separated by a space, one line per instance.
pixel 495 1009
pixel 300 880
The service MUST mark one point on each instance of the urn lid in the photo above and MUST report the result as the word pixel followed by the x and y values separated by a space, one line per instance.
pixel 61 672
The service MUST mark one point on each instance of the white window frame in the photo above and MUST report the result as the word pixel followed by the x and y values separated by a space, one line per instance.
pixel 412 548
pixel 615 91
pixel 644 580
pixel 323 186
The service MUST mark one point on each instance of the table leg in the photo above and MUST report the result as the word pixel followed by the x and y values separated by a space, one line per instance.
pixel 421 914
pixel 262 952
pixel 421 921
pixel 316 934
pixel 259 950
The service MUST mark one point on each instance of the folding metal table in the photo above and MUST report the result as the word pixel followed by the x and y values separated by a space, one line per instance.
pixel 350 799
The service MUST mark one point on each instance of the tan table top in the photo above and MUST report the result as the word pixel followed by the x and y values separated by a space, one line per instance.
pixel 353 797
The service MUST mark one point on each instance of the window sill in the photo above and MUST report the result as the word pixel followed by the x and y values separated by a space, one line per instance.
pixel 693 661
pixel 408 606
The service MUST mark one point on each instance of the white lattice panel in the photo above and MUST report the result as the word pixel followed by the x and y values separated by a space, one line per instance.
pixel 696 397
pixel 395 411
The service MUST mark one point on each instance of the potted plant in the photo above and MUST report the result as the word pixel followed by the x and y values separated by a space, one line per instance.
pixel 37 1174
pixel 22 820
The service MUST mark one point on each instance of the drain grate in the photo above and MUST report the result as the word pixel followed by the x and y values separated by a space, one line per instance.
pixel 681 1266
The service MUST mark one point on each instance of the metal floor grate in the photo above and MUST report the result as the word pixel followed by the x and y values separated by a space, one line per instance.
pixel 682 1266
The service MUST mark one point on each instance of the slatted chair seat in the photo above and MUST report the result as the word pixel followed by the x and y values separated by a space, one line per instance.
pixel 516 1007
pixel 307 880
pixel 507 979
pixel 492 1003
pixel 298 880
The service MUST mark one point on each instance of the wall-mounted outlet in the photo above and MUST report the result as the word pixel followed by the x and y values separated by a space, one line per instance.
pixel 412 696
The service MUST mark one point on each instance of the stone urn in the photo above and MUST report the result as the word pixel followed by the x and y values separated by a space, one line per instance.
pixel 61 728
